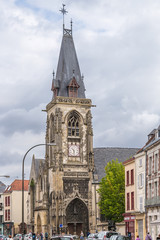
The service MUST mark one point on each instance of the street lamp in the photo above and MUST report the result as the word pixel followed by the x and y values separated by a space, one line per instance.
pixel 37 145
pixel 6 176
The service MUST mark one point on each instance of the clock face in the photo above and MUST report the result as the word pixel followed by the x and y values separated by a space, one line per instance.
pixel 74 150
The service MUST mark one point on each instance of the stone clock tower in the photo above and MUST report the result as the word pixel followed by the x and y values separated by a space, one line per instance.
pixel 70 163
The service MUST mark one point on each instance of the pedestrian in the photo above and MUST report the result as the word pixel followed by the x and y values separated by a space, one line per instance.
pixel 82 236
pixel 46 235
pixel 10 237
pixel 38 236
pixel 148 237
pixel 138 238
pixel 41 235
pixel 33 236
pixel 158 238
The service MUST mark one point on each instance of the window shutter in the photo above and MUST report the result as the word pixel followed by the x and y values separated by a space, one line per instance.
pixel 141 204
pixel 142 179
pixel 8 214
pixel 139 181
pixel 6 201
pixel 5 215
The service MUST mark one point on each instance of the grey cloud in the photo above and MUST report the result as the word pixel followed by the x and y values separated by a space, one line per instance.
pixel 20 120
pixel 117 45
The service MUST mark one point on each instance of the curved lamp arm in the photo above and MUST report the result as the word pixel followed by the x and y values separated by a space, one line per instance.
pixel 37 145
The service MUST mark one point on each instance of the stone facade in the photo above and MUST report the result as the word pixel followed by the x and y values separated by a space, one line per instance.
pixel 64 186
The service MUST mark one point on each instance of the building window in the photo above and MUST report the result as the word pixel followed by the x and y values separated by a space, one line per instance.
pixel 8 201
pixel 132 200
pixel 73 88
pixel 127 178
pixel 141 204
pixel 128 203
pixel 150 190
pixel 6 215
pixel 155 189
pixel 150 166
pixel 132 176
pixel 155 162
pixel 0 206
pixel 41 184
pixel 9 215
pixel 140 162
pixel 140 180
pixel 73 125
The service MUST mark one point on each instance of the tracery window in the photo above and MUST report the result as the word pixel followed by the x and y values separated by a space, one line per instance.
pixel 73 126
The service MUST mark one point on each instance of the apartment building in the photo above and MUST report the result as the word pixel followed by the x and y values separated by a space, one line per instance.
pixel 152 150
pixel 140 173
pixel 129 216
pixel 13 207
pixel 2 189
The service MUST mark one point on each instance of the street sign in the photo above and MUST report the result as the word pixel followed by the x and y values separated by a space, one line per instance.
pixel 60 225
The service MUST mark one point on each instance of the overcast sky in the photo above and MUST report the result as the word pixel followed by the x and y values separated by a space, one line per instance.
pixel 118 48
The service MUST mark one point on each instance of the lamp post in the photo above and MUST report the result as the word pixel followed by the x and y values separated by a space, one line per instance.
pixel 6 176
pixel 37 145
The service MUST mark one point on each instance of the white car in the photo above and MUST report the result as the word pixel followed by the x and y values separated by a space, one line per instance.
pixel 28 236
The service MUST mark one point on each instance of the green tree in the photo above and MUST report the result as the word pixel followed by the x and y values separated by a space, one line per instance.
pixel 112 191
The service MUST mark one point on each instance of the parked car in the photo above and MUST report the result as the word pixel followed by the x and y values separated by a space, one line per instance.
pixel 92 236
pixel 62 237
pixel 114 237
pixel 28 236
pixel 18 237
pixel 119 237
pixel 2 237
pixel 105 235
pixel 75 237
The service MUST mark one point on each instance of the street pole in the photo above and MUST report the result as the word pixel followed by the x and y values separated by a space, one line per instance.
pixel 6 176
pixel 37 145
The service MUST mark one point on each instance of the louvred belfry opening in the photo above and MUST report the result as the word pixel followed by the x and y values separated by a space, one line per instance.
pixel 73 88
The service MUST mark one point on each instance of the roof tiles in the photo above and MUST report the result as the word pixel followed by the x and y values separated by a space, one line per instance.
pixel 16 185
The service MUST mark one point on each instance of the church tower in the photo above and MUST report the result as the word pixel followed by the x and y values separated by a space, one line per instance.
pixel 70 162
pixel 62 190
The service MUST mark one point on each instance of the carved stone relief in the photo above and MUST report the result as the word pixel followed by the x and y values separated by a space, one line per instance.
pixel 72 185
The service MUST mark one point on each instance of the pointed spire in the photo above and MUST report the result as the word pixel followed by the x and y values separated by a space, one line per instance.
pixel 68 66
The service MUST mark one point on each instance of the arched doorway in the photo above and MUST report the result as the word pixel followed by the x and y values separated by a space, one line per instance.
pixel 77 217
pixel 39 226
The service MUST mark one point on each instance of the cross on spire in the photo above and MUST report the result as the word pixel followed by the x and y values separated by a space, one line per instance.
pixel 63 11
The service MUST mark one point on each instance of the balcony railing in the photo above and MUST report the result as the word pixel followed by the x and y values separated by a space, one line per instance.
pixel 153 201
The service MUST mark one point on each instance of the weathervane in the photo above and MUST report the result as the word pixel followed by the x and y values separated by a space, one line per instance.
pixel 63 11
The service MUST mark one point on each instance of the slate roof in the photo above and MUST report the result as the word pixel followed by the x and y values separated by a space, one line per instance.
pixel 103 155
pixel 68 63
pixel 17 186
pixel 2 187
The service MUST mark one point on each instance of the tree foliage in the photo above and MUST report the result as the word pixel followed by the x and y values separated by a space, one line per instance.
pixel 112 191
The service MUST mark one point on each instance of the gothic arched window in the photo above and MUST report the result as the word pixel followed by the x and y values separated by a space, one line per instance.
pixel 73 125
